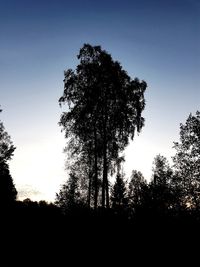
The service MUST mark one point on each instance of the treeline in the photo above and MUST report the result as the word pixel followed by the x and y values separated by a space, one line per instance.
pixel 104 112
pixel 91 215
pixel 172 193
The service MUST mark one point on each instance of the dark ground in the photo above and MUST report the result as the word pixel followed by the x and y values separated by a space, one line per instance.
pixel 30 237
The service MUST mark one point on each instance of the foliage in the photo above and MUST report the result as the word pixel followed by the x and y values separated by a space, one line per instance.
pixel 70 196
pixel 161 185
pixel 8 191
pixel 119 193
pixel 187 160
pixel 104 110
pixel 136 190
pixel 6 145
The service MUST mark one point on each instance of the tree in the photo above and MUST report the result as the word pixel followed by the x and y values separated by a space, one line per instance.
pixel 162 172
pixel 104 111
pixel 119 194
pixel 136 190
pixel 69 197
pixel 187 161
pixel 8 191
pixel 81 163
pixel 6 146
pixel 161 185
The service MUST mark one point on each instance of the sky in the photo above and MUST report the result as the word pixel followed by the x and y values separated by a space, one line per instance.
pixel 157 41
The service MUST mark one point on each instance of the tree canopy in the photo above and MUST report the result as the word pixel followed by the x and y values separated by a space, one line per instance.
pixel 136 189
pixel 187 160
pixel 119 193
pixel 8 191
pixel 104 110
pixel 6 146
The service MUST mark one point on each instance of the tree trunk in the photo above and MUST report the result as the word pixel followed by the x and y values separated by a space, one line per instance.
pixel 95 170
pixel 104 177
pixel 89 177
pixel 107 192
pixel 89 189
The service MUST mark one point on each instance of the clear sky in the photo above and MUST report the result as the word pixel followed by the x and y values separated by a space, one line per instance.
pixel 158 41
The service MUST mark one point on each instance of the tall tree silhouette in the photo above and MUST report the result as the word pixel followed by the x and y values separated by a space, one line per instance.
pixel 119 194
pixel 161 185
pixel 104 110
pixel 137 188
pixel 8 192
pixel 187 160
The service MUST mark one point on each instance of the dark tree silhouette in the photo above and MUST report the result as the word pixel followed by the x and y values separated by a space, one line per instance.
pixel 69 197
pixel 161 185
pixel 162 172
pixel 136 191
pixel 187 161
pixel 6 146
pixel 105 107
pixel 8 192
pixel 119 194
pixel 80 162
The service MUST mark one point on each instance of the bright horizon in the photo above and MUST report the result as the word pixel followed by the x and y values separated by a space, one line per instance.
pixel 157 42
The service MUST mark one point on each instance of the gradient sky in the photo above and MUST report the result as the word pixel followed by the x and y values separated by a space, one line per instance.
pixel 158 41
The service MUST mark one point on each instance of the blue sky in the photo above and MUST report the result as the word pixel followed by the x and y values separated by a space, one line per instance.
pixel 158 41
